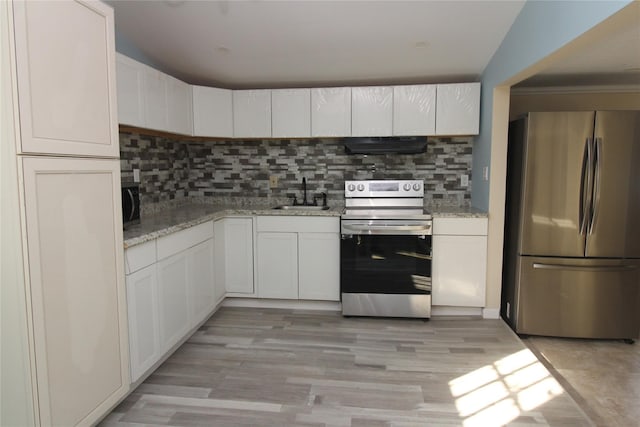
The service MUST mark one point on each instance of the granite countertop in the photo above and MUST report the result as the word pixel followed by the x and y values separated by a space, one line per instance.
pixel 187 215
pixel 456 212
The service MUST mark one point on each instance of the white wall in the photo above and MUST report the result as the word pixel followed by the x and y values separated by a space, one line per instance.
pixel 16 405
pixel 543 32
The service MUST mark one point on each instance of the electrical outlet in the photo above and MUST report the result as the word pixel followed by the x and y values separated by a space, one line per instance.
pixel 136 175
pixel 485 173
pixel 464 180
pixel 273 181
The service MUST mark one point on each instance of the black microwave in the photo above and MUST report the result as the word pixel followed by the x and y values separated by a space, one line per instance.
pixel 130 204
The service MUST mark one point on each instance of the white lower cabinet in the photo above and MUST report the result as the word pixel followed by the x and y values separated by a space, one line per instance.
pixel 144 329
pixel 319 266
pixel 170 290
pixel 277 265
pixel 173 299
pixel 200 275
pixel 459 261
pixel 235 245
pixel 298 257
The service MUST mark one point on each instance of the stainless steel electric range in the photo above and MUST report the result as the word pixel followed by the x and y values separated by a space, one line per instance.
pixel 385 249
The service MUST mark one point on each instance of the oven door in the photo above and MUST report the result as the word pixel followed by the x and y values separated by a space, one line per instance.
pixel 385 275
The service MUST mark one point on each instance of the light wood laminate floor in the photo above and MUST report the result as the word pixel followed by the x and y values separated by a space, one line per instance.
pixel 267 367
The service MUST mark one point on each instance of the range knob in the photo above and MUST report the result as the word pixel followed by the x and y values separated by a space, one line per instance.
pixel 351 187
pixel 416 186
pixel 406 187
pixel 360 187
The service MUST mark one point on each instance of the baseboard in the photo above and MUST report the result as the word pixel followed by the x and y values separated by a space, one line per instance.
pixel 283 304
pixel 444 310
pixel 490 313
pixel 485 313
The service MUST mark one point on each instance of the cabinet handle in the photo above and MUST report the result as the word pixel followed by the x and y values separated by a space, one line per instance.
pixel 572 267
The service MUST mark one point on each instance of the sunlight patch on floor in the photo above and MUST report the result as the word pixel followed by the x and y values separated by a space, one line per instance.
pixel 498 393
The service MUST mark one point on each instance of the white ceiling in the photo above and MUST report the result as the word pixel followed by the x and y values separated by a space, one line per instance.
pixel 302 43
pixel 268 44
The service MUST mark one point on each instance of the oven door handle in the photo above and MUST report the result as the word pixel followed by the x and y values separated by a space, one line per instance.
pixel 387 229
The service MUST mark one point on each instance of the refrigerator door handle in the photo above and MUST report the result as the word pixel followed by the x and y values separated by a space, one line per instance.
pixel 597 268
pixel 596 184
pixel 585 186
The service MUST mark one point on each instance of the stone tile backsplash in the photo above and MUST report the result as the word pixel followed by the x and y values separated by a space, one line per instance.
pixel 163 164
pixel 171 169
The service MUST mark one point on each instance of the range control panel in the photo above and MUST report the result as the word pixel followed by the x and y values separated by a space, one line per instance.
pixel 384 188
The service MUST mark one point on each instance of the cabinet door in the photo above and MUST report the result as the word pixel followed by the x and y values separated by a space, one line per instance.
pixel 179 106
pixel 319 266
pixel 252 113
pixel 155 95
pixel 277 265
pixel 201 278
pixel 458 109
pixel 291 113
pixel 219 268
pixel 414 110
pixel 144 331
pixel 130 98
pixel 371 111
pixel 212 112
pixel 77 289
pixel 174 304
pixel 65 59
pixel 459 270
pixel 331 111
pixel 238 255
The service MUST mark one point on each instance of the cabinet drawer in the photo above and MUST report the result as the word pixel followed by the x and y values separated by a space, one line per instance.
pixel 460 226
pixel 139 256
pixel 181 240
pixel 297 224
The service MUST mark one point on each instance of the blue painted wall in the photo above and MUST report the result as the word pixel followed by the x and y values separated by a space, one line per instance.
pixel 541 28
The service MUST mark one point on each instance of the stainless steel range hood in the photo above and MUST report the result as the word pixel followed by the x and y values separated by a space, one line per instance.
pixel 385 145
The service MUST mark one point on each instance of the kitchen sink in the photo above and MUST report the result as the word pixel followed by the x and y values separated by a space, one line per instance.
pixel 302 208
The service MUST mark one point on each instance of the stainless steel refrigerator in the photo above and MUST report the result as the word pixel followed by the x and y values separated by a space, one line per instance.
pixel 572 230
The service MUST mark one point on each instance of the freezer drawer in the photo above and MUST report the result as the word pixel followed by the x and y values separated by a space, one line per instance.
pixel 581 298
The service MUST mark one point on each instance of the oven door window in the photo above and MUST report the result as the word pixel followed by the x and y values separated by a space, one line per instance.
pixel 385 264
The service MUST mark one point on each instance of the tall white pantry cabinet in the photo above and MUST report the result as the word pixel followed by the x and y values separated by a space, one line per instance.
pixel 62 61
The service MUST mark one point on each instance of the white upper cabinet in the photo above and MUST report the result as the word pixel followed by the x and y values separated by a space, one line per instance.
pixel 155 96
pixel 331 111
pixel 458 109
pixel 371 111
pixel 252 113
pixel 212 112
pixel 66 78
pixel 168 102
pixel 414 110
pixel 179 106
pixel 291 113
pixel 130 94
pixel 150 99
